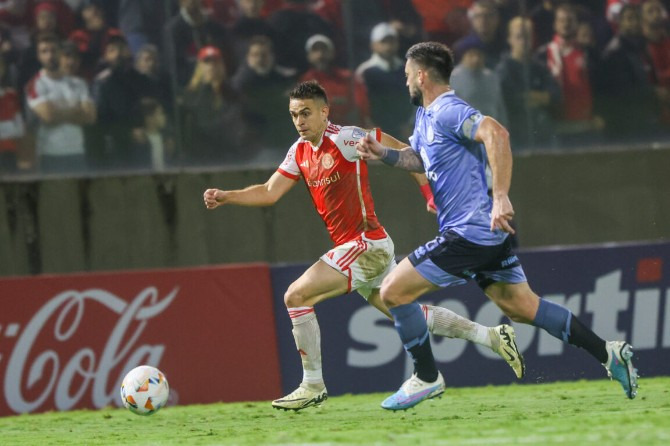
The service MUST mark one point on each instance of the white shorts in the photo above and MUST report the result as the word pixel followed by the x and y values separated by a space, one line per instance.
pixel 365 262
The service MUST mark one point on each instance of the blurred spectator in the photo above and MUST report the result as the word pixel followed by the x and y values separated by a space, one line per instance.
pixel 45 24
pixel 542 16
pixel 569 64
pixel 624 82
pixel 147 62
pixel 249 24
pixel 152 147
pixel 70 59
pixel 224 12
pixel 264 88
pixel 188 32
pixel 444 21
pixel 141 21
pixel 294 23
pixel 347 96
pixel 530 92
pixel 485 35
pixel 384 78
pixel 16 15
pixel 117 91
pixel 478 85
pixel 654 18
pixel 214 127
pixel 62 105
pixel 65 15
pixel 92 39
pixel 11 122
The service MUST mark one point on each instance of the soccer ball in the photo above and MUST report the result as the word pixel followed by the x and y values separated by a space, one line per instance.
pixel 144 390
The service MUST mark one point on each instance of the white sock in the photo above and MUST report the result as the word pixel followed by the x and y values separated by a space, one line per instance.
pixel 444 322
pixel 307 337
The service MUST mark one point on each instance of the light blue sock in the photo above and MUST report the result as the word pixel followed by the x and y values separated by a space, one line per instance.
pixel 554 318
pixel 410 324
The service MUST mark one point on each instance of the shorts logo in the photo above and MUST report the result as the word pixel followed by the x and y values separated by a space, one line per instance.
pixel 509 261
pixel 327 161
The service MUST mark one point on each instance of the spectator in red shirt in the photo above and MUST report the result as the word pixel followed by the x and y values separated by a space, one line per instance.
pixel 11 122
pixel 654 16
pixel 348 98
pixel 569 64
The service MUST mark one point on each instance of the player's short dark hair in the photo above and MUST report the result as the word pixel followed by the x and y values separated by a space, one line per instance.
pixel 309 90
pixel 434 57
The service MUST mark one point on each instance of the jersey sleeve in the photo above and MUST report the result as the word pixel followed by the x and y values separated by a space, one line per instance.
pixel 289 167
pixel 459 118
pixel 36 93
pixel 348 137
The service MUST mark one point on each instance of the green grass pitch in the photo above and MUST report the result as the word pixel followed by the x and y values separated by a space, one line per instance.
pixel 571 413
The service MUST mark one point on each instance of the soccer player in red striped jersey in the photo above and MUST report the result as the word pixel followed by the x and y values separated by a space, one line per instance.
pixel 325 157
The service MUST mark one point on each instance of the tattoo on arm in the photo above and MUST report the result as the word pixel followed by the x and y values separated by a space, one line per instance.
pixel 406 159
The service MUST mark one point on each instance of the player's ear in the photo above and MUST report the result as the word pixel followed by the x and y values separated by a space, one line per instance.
pixel 324 111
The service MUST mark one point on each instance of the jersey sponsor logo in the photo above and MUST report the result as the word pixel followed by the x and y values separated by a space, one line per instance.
pixel 349 143
pixel 327 160
pixel 430 134
pixel 323 181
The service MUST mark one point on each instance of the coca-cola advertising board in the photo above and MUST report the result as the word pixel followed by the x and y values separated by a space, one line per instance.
pixel 67 341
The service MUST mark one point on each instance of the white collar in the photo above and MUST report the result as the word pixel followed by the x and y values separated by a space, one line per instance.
pixel 446 93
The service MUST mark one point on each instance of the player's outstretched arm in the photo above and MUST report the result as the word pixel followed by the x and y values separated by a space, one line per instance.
pixel 257 195
pixel 496 140
pixel 369 149
pixel 420 178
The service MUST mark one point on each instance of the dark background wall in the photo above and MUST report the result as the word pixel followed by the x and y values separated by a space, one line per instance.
pixel 148 221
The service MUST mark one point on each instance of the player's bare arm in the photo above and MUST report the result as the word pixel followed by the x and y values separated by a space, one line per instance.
pixel 369 149
pixel 496 140
pixel 257 195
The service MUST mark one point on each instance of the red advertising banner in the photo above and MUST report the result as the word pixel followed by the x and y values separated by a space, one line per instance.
pixel 67 341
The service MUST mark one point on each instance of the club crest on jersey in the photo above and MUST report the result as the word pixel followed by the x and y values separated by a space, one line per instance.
pixel 357 133
pixel 430 134
pixel 327 161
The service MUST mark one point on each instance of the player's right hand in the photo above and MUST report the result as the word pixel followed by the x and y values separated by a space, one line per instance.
pixel 213 198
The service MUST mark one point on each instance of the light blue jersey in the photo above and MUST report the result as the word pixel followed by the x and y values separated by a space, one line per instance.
pixel 455 166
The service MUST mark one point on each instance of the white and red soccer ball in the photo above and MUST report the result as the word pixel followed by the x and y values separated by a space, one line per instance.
pixel 144 390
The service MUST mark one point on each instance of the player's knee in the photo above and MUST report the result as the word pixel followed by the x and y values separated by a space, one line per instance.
pixel 389 293
pixel 293 298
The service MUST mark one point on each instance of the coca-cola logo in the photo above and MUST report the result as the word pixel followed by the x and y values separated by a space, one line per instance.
pixel 33 377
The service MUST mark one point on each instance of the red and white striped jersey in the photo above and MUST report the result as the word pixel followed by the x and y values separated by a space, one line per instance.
pixel 338 182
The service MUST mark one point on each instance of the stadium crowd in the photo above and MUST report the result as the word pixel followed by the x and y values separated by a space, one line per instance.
pixel 97 85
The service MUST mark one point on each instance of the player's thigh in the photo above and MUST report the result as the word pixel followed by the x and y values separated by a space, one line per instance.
pixel 318 283
pixel 404 285
pixel 516 300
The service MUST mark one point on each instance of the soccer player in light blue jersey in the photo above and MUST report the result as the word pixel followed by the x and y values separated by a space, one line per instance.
pixel 451 144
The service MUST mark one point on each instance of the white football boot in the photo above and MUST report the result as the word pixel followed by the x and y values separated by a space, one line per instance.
pixel 301 398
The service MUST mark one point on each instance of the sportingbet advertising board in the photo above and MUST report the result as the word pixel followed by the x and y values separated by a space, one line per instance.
pixel 621 292
pixel 67 341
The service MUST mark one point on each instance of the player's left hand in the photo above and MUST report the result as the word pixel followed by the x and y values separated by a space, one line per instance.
pixel 502 214
pixel 369 148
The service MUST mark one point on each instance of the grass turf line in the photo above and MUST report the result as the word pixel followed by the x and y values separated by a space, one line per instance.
pixel 582 412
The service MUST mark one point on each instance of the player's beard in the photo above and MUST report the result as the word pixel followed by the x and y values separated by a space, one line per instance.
pixel 416 98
